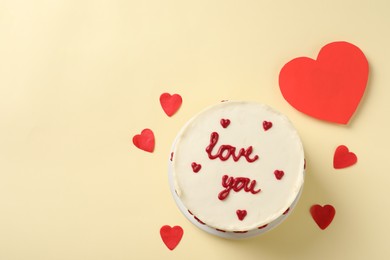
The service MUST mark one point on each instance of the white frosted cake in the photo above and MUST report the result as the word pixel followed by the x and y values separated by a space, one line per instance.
pixel 237 169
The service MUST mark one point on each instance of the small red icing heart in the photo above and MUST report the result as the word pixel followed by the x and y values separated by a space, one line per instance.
pixel 170 103
pixel 225 122
pixel 279 174
pixel 145 140
pixel 171 236
pixel 343 157
pixel 267 125
pixel 322 215
pixel 196 167
pixel 241 214
pixel 329 88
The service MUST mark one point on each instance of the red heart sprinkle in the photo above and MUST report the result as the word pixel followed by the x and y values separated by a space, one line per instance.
pixel 343 157
pixel 170 103
pixel 279 174
pixel 225 122
pixel 145 140
pixel 196 167
pixel 322 215
pixel 267 125
pixel 329 88
pixel 171 236
pixel 241 214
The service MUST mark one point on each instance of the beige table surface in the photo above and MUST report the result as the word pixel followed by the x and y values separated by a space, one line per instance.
pixel 79 78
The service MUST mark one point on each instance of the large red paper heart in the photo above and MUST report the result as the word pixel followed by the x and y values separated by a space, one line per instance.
pixel 171 236
pixel 170 103
pixel 145 140
pixel 343 157
pixel 323 215
pixel 329 88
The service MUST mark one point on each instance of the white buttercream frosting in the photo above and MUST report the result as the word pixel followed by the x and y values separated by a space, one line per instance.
pixel 278 148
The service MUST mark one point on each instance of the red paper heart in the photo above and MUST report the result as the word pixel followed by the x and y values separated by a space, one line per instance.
pixel 225 122
pixel 329 88
pixel 279 174
pixel 145 140
pixel 241 214
pixel 343 157
pixel 171 236
pixel 267 125
pixel 170 103
pixel 196 167
pixel 322 215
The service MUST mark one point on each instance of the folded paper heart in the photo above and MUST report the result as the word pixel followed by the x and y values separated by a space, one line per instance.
pixel 343 157
pixel 171 236
pixel 322 215
pixel 145 141
pixel 170 103
pixel 329 88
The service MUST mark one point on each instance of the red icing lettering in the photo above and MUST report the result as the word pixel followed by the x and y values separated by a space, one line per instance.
pixel 237 184
pixel 225 151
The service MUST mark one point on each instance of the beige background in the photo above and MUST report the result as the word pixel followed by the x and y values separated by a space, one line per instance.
pixel 79 78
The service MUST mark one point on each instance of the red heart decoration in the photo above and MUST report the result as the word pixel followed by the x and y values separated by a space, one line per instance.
pixel 241 214
pixel 329 88
pixel 279 174
pixel 145 140
pixel 171 236
pixel 196 167
pixel 322 215
pixel 267 125
pixel 225 122
pixel 170 103
pixel 343 157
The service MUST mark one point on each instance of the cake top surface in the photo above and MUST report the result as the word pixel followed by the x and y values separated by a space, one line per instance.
pixel 238 165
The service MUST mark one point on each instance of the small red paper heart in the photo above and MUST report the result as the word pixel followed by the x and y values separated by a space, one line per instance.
pixel 145 140
pixel 267 125
pixel 170 103
pixel 279 174
pixel 225 122
pixel 329 88
pixel 323 215
pixel 171 236
pixel 241 214
pixel 343 157
pixel 196 167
